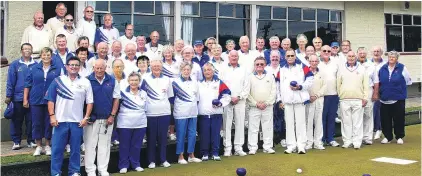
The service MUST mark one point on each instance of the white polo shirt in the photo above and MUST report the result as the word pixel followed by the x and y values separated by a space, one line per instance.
pixel 69 97
pixel 37 38
pixel 159 90
pixel 329 74
pixel 157 50
pixel 132 109
pixel 218 65
pixel 87 28
pixel 209 91
pixel 54 24
pixel 71 38
pixel 186 98
pixel 171 70
pixel 237 80
pixel 124 40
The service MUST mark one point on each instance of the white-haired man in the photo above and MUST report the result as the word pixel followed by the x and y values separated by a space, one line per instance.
pixel 86 26
pixel 107 33
pixel 57 22
pixel 377 53
pixel 128 37
pixel 37 34
pixel 154 46
pixel 260 46
pixel 246 57
pixel 275 45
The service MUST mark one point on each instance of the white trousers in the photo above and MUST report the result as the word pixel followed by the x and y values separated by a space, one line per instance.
pixel 236 112
pixel 351 125
pixel 368 118
pixel 295 118
pixel 266 118
pixel 314 128
pixel 97 140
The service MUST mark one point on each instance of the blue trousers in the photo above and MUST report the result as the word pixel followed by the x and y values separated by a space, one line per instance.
pixel 157 137
pixel 21 115
pixel 130 146
pixel 59 140
pixel 41 127
pixel 185 127
pixel 279 123
pixel 115 135
pixel 210 133
pixel 377 116
pixel 328 117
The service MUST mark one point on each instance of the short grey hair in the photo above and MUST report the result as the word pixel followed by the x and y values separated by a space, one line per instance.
pixel 168 48
pixel 394 53
pixel 108 14
pixel 301 37
pixel 208 64
pixel 133 74
pixel 184 64
pixel 286 40
pixel 275 51
pixel 260 58
pixel 274 38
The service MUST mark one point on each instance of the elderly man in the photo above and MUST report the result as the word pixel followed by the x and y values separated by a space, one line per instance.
pixel 235 77
pixel 246 56
pixel 329 70
pixel 141 49
pixel 116 51
pixel 334 53
pixel 69 31
pixel 102 51
pixel 66 97
pixel 62 53
pixel 154 46
pixel 37 34
pixel 200 57
pixel 286 43
pixel 128 37
pixel 314 108
pixel 98 134
pixel 120 76
pixel 17 73
pixel 317 42
pixel 178 46
pixel 107 33
pixel 86 26
pixel 352 86
pixel 260 46
pixel 368 116
pixel 230 45
pixel 130 59
pixel 377 53
pixel 275 45
pixel 301 41
pixel 345 48
pixel 261 98
pixel 84 42
pixel 57 22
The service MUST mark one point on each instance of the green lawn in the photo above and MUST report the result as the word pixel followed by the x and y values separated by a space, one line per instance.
pixel 332 161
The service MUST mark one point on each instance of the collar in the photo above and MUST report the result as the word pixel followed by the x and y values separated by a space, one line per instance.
pixel 151 45
pixel 161 75
pixel 88 20
pixel 60 18
pixel 106 57
pixel 238 65
pixel 31 61
pixel 123 75
pixel 317 69
pixel 93 78
pixel 247 52
pixel 227 52
pixel 183 79
pixel 65 27
pixel 145 49
pixel 128 88
pixel 214 61
pixel 40 65
pixel 375 62
pixel 214 78
pixel 148 70
pixel 58 52
pixel 129 38
pixel 348 65
pixel 298 51
pixel 127 58
pixel 77 77
pixel 173 59
pixel 110 27
pixel 256 73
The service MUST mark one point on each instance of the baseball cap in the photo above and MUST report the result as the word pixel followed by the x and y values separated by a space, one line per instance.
pixel 333 44
pixel 198 42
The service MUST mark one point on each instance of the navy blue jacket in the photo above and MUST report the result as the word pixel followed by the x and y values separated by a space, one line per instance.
pixel 16 76
pixel 57 60
pixel 204 59
pixel 268 52
pixel 38 85
pixel 103 96
pixel 394 88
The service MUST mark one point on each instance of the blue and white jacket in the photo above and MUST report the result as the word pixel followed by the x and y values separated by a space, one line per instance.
pixel 186 96
pixel 38 83
pixel 18 71
pixel 132 112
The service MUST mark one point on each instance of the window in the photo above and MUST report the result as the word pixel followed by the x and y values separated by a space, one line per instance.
pixel 3 28
pixel 234 26
pixel 326 24
pixel 403 32
pixel 146 16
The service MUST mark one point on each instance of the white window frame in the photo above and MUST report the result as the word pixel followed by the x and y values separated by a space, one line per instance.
pixel 402 25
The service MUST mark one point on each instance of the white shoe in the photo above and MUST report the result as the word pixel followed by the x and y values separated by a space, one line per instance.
pixel 400 141
pixel 269 151
pixel 334 144
pixel 37 151
pixel 197 134
pixel 47 150
pixel 166 164
pixel 16 147
pixel 301 151
pixel 91 174
pixel 308 147
pixel 194 160
pixel 123 171
pixel 338 120
pixel 356 147
pixel 216 158
pixel 83 147
pixel 76 174
pixel 346 145
pixel 173 137
pixel 367 142
pixel 68 148
pixel 116 142
pixel 385 141
pixel 227 153
pixel 221 133
pixel 283 143
pixel 32 145
pixel 204 158
pixel 139 169
pixel 144 141
pixel 289 151
pixel 182 161
pixel 240 153
pixel 151 165
pixel 104 174
pixel 319 147
pixel 377 134
pixel 252 152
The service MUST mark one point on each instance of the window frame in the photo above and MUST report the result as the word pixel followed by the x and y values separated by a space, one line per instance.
pixel 4 8
pixel 402 25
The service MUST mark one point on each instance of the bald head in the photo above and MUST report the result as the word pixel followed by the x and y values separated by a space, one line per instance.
pixel 351 58
pixel 102 49
pixel 130 50
pixel 99 63
pixel 155 36
pixel 38 18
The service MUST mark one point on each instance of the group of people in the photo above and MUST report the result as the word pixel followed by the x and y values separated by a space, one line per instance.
pixel 130 90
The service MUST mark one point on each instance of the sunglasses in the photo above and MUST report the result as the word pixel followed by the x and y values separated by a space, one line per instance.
pixel 73 65
pixel 71 20
pixel 326 51
pixel 290 55
pixel 260 64
pixel 89 11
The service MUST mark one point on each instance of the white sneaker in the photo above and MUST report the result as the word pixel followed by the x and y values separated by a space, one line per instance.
pixel 68 148
pixel 356 147
pixel 400 141
pixel 104 174
pixel 47 150
pixel 116 142
pixel 166 164
pixel 252 152
pixel 269 151
pixel 334 144
pixel 83 147
pixel 182 161
pixel 377 134
pixel 367 142
pixel 346 145
pixel 308 147
pixel 139 169
pixel 144 141
pixel 301 151
pixel 151 165
pixel 204 158
pixel 32 145
pixel 37 151
pixel 91 174
pixel 227 153
pixel 319 147
pixel 338 120
pixel 385 141
pixel 289 151
pixel 173 137
pixel 216 158
pixel 221 133
pixel 197 134
pixel 283 143
pixel 194 160
pixel 123 171
pixel 76 174
pixel 16 147
pixel 240 153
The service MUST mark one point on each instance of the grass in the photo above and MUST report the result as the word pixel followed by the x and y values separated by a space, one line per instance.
pixel 413 109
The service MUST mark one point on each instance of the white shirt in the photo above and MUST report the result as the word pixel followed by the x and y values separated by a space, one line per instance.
pixel 270 70
pixel 186 98
pixel 405 74
pixel 209 91
pixel 87 29
pixel 328 72
pixel 171 70
pixel 54 24
pixel 247 60
pixel 85 71
pixel 132 109
pixel 370 71
pixel 157 50
pixel 71 38
pixel 260 53
pixel 110 35
pixel 124 40
pixel 294 73
pixel 236 79
pixel 69 97
pixel 147 53
pixel 159 90
pixel 108 62
pixel 218 65
pixel 37 38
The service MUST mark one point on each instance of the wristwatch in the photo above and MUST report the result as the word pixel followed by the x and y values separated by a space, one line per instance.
pixel 113 115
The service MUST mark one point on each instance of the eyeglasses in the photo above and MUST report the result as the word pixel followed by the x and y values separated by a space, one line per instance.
pixel 290 55
pixel 89 11
pixel 326 51
pixel 73 65
pixel 71 20
pixel 260 64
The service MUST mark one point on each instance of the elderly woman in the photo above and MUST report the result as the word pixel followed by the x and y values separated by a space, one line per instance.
pixel 131 124
pixel 230 45
pixel 216 60
pixel 213 96
pixel 301 41
pixel 185 112
pixel 188 54
pixel 159 90
pixel 36 84
pixel 209 43
pixel 392 81
pixel 295 80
